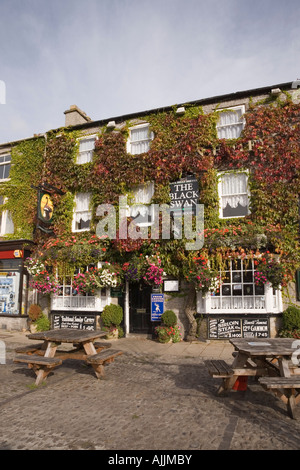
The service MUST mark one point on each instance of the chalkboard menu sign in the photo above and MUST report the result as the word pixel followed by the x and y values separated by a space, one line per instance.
pixel 74 321
pixel 222 328
pixel 225 328
pixel 255 327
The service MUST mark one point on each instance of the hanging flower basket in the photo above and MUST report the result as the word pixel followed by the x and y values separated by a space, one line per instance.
pixel 97 278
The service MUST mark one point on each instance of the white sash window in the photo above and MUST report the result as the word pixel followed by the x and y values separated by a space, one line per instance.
pixel 139 139
pixel 140 210
pixel 86 149
pixel 231 123
pixel 82 213
pixel 233 194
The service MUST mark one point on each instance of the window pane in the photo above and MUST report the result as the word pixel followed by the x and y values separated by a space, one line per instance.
pixel 226 290
pixel 248 289
pixel 6 171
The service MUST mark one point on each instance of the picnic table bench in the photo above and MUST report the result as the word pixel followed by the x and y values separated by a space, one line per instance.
pixel 43 357
pixel 99 360
pixel 270 360
pixel 41 365
pixel 286 388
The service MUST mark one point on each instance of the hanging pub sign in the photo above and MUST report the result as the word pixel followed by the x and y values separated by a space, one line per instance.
pixel 184 196
pixel 45 207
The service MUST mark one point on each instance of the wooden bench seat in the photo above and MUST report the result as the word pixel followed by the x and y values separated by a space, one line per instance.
pixel 280 382
pixel 30 349
pixel 102 345
pixel 286 389
pixel 100 359
pixel 41 365
pixel 219 368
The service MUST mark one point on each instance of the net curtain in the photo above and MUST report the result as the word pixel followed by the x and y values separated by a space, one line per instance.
pixel 82 212
pixel 234 190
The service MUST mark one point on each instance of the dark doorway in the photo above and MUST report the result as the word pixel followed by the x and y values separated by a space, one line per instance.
pixel 140 308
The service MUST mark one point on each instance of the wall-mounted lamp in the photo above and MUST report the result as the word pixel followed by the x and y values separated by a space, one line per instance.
pixel 180 110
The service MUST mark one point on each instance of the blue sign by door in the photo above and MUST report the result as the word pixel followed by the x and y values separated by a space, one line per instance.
pixel 157 306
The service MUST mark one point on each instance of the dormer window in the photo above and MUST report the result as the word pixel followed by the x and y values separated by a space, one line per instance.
pixel 139 139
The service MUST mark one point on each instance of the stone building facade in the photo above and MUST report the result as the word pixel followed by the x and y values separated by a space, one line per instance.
pixel 73 176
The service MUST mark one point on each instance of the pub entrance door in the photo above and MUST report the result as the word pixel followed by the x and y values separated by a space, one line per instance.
pixel 140 308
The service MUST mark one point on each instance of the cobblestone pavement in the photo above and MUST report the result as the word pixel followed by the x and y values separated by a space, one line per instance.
pixel 154 397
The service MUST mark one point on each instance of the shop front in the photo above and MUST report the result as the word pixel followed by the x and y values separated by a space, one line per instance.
pixel 13 284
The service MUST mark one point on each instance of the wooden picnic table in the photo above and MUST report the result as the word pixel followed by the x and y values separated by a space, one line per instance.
pixel 46 355
pixel 273 361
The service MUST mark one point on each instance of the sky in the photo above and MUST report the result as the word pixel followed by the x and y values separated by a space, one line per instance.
pixel 118 57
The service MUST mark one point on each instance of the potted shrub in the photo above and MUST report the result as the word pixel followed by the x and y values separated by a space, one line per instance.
pixel 112 317
pixel 291 323
pixel 42 323
pixel 34 313
pixel 168 332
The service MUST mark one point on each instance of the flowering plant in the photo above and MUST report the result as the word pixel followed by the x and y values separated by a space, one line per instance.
pixel 269 269
pixel 154 271
pixel 44 282
pixel 147 268
pixel 205 278
pixel 96 278
pixel 34 266
pixel 75 250
pixel 132 271
pixel 168 334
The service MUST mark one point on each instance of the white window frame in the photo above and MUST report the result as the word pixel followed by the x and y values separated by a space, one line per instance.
pixel 82 139
pixel 5 221
pixel 87 303
pixel 147 140
pixel 220 195
pixel 2 164
pixel 272 300
pixel 145 203
pixel 74 229
pixel 241 123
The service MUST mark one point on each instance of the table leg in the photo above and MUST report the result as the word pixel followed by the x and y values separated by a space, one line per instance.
pixel 240 361
pixel 50 351
pixel 89 348
pixel 284 367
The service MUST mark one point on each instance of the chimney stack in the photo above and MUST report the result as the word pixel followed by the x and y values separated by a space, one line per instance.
pixel 75 116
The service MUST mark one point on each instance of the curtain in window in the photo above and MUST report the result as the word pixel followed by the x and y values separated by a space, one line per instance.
pixel 82 212
pixel 142 195
pixel 234 190
pixel 139 140
pixel 86 148
pixel 230 125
